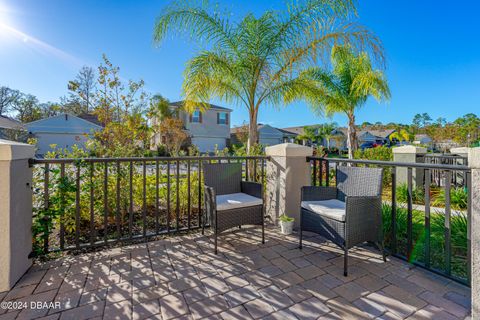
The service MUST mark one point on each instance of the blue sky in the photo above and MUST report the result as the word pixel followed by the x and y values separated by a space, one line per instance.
pixel 432 48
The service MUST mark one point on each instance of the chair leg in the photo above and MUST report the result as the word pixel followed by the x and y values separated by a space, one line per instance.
pixel 300 244
pixel 215 237
pixel 381 247
pixel 240 227
pixel 345 263
pixel 263 233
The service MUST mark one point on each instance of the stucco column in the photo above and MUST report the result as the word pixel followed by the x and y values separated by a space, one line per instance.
pixel 409 154
pixel 15 211
pixel 287 171
pixel 474 163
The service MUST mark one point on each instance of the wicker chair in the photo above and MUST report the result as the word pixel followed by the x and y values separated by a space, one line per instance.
pixel 348 214
pixel 229 201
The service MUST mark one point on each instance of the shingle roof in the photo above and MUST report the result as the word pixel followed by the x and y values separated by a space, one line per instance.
pixel 212 106
pixel 9 123
pixel 91 118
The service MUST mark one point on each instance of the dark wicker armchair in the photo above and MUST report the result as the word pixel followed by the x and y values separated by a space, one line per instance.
pixel 348 214
pixel 229 201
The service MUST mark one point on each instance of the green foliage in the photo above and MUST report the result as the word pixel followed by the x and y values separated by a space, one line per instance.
pixel 458 198
pixel 418 194
pixel 285 218
pixel 381 153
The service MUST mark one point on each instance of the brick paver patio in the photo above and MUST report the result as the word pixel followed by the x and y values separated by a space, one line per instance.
pixel 181 278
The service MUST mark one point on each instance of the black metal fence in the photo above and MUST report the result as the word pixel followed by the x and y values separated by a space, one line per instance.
pixel 438 176
pixel 425 223
pixel 90 202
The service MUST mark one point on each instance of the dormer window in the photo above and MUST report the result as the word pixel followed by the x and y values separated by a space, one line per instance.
pixel 222 118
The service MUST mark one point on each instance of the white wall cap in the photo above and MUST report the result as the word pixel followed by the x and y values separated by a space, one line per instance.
pixel 461 150
pixel 289 150
pixel 410 150
pixel 474 158
pixel 11 150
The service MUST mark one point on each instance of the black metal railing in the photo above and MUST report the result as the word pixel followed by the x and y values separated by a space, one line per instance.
pixel 438 175
pixel 90 202
pixel 425 222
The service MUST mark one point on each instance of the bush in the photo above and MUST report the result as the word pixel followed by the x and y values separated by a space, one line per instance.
pixel 418 194
pixel 458 198
pixel 379 153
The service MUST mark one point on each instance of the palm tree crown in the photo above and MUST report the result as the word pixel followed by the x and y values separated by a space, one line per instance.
pixel 261 60
pixel 348 86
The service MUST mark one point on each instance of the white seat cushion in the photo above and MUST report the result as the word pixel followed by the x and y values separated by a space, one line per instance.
pixel 333 209
pixel 236 200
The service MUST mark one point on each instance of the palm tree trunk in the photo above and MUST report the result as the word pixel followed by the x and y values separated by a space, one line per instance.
pixel 252 131
pixel 351 135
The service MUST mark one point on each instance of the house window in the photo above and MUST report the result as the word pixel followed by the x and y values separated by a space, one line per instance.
pixel 196 116
pixel 222 118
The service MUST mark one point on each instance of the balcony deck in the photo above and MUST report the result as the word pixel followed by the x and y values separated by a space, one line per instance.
pixel 181 278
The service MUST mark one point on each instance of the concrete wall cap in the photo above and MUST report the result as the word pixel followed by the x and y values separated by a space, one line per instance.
pixel 474 158
pixel 410 149
pixel 289 150
pixel 461 150
pixel 11 150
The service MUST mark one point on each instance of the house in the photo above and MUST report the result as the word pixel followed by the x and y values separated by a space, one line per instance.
pixel 423 139
pixel 11 129
pixel 297 131
pixel 64 131
pixel 267 135
pixel 208 128
pixel 338 138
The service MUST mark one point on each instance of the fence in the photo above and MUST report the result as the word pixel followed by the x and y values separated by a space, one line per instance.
pixel 434 237
pixel 85 203
pixel 438 176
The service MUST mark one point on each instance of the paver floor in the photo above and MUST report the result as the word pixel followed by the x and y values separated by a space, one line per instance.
pixel 180 278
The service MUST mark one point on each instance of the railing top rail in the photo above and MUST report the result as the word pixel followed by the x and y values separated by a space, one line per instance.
pixel 147 159
pixel 395 164
pixel 433 155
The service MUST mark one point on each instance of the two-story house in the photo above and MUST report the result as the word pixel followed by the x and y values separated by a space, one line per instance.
pixel 207 129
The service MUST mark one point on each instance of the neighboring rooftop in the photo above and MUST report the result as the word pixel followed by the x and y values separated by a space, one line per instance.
pixel 211 106
pixel 9 123
pixel 91 118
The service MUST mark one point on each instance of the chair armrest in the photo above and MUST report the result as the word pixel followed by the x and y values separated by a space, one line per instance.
pixel 318 193
pixel 252 188
pixel 363 209
pixel 210 199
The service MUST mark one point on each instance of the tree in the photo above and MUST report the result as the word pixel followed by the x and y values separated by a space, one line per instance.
pixel 348 86
pixel 82 90
pixel 259 61
pixel 8 97
pixel 402 135
pixel 309 134
pixel 468 129
pixel 173 135
pixel 325 130
pixel 421 120
pixel 27 109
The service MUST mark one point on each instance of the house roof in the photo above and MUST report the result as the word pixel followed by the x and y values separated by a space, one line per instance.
pixel 377 133
pixel 91 118
pixel 421 136
pixel 211 106
pixel 9 123
pixel 294 130
pixel 236 130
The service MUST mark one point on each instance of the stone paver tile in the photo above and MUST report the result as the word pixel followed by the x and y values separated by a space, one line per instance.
pixel 173 306
pixel 405 284
pixel 309 309
pixel 351 291
pixel 142 283
pixel 301 262
pixel 52 279
pixel 73 282
pixel 432 312
pixel 258 308
pixel 119 292
pixel 195 294
pixel 280 315
pixel 237 313
pixel 87 311
pixel 30 313
pixel 317 289
pixel 277 298
pixel 50 317
pixel 150 293
pixel 378 269
pixel 309 272
pixel 430 282
pixel 287 279
pixel 458 298
pixel 93 296
pixel 236 282
pixel 297 293
pixel 345 310
pixel 241 295
pixel 394 305
pixel 257 280
pixel 145 310
pixel 164 275
pixel 371 308
pixel 208 307
pixel 389 316
pixel 215 286
pixel 354 272
pixel 330 281
pixel 447 305
pixel 19 292
pixel 404 296
pixel 205 270
pixel 372 282
pixel 283 264
pixel 270 271
pixel 294 253
pixel 9 315
pixel 118 310
pixel 30 278
pixel 183 284
pixel 68 300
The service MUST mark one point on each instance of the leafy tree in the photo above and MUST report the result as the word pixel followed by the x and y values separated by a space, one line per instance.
pixel 28 109
pixel 8 98
pixel 82 90
pixel 325 130
pixel 348 86
pixel 421 120
pixel 259 61
pixel 309 134
pixel 468 129
pixel 402 135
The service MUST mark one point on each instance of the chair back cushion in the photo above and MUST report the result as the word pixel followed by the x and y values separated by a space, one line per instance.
pixel 355 181
pixel 225 178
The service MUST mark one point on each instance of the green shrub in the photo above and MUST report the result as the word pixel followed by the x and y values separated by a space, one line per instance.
pixel 458 198
pixel 418 194
pixel 379 153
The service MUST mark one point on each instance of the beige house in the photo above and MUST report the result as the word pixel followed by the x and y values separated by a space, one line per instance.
pixel 208 129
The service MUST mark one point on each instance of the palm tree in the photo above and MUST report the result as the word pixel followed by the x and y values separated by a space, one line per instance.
pixel 348 86
pixel 259 61
pixel 401 136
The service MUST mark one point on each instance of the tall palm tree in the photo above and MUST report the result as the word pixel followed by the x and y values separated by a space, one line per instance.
pixel 347 87
pixel 257 61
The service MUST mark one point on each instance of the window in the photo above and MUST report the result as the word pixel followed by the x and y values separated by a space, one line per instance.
pixel 196 116
pixel 222 118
